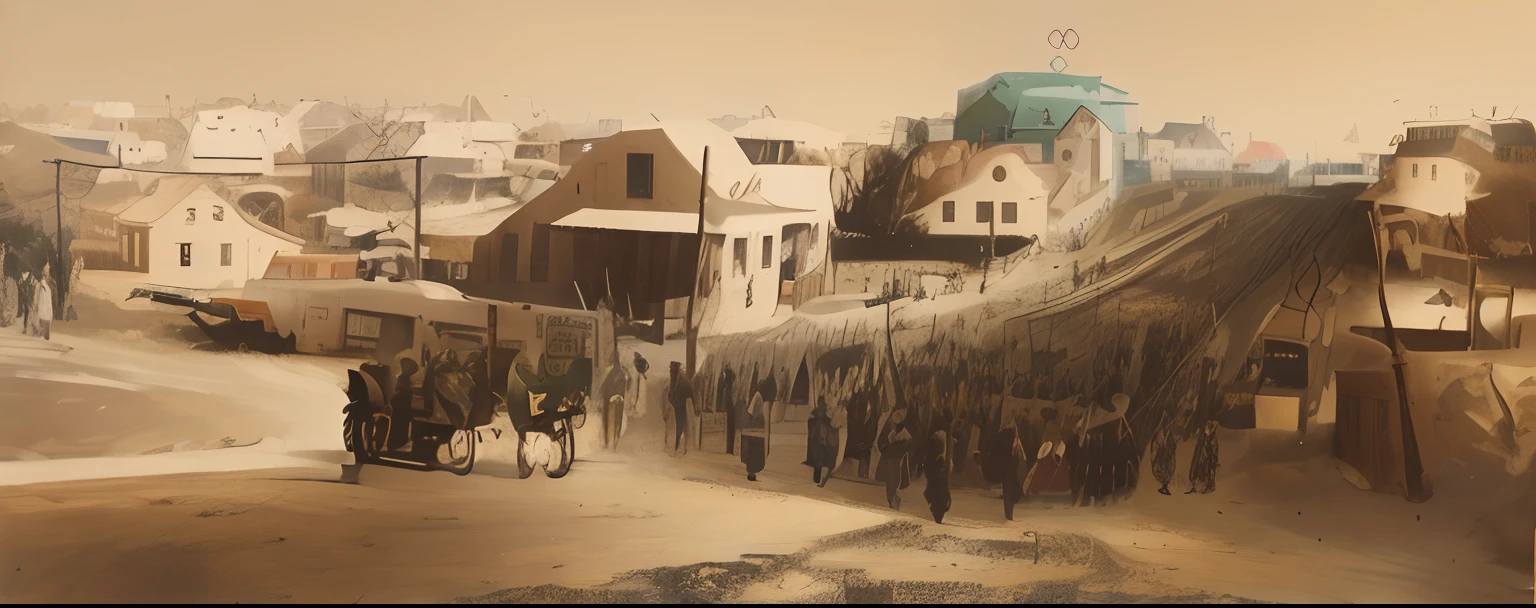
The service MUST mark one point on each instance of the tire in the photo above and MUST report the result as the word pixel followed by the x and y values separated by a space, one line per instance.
pixel 524 468
pixel 565 438
pixel 469 459
pixel 358 435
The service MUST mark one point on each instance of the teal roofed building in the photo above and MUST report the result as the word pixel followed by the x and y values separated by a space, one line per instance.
pixel 1031 107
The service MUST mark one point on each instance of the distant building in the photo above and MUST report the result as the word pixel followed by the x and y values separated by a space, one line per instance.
pixel 1030 107
pixel 1200 158
pixel 998 191
pixel 1261 164
pixel 185 235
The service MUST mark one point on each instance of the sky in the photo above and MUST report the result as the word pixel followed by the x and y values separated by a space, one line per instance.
pixel 1299 73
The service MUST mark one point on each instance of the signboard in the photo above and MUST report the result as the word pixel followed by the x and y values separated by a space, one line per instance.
pixel 566 339
pixel 1202 160
pixel 363 326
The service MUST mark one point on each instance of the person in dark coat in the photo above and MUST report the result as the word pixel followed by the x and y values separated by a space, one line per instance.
pixel 860 440
pixel 893 442
pixel 960 431
pixel 936 471
pixel 1202 470
pixel 401 408
pixel 680 396
pixel 725 401
pixel 754 436
pixel 1011 457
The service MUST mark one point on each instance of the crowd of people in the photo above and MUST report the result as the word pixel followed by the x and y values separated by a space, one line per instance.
pixel 28 296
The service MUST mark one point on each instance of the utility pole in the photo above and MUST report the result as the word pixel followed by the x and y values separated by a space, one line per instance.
pixel 1413 467
pixel 61 277
pixel 416 249
pixel 691 330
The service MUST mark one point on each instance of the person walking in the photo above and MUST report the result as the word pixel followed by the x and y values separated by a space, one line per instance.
pixel 936 472
pixel 725 401
pixel 1012 459
pixel 893 470
pixel 1164 457
pixel 680 397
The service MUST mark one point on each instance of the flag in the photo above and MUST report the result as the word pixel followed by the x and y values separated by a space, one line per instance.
pixel 1354 135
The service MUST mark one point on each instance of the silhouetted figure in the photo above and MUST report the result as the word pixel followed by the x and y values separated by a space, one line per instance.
pixel 1011 456
pixel 754 437
pixel 1202 470
pixel 1164 458
pixel 679 396
pixel 893 470
pixel 725 401
pixel 401 404
pixel 817 441
pixel 936 471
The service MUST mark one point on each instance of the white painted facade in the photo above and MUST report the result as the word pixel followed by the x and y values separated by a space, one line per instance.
pixel 231 140
pixel 205 242
pixel 1085 160
pixel 963 212
pixel 1160 157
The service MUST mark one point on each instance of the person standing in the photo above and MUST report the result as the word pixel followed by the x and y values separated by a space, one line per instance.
pixel 725 401
pixel 936 472
pixel 1202 470
pixel 1012 459
pixel 754 436
pixel 893 470
pixel 1164 458
pixel 42 305
pixel 680 396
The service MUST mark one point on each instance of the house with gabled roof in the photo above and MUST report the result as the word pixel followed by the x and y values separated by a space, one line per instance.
pixel 183 234
pixel 1030 107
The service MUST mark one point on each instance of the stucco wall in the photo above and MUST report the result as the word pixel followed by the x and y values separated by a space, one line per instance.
pixel 251 249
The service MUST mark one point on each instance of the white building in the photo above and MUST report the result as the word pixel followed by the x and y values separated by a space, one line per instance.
pixel 185 235
pixel 1427 176
pixel 999 192
pixel 233 140
pixel 1085 163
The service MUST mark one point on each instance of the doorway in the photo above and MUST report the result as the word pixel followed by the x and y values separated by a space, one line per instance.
pixel 1491 318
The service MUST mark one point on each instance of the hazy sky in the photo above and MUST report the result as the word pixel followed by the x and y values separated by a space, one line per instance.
pixel 1292 72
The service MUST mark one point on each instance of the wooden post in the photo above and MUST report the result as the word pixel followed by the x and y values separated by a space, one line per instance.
pixel 689 329
pixel 416 249
pixel 1472 316
pixel 58 209
pixel 1413 467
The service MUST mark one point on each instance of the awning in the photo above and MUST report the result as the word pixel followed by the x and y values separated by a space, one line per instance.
pixel 635 220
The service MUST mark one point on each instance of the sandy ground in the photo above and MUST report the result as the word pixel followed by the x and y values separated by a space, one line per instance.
pixel 86 515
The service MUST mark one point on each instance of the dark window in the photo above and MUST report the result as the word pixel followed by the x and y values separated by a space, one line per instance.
pixel 999 173
pixel 638 175
pixel 226 254
pixel 949 211
pixel 739 258
pixel 539 270
pixel 1415 169
pixel 983 212
pixel 1010 213
pixel 768 251
pixel 1434 173
pixel 508 270
pixel 186 253
pixel 218 213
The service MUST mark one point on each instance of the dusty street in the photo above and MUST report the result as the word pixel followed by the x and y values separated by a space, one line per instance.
pixel 218 472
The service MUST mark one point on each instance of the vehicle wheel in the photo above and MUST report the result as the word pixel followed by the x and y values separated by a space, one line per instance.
pixel 565 443
pixel 360 436
pixel 524 468
pixel 461 463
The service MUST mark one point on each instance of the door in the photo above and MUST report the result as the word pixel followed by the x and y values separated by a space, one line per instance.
pixel 322 328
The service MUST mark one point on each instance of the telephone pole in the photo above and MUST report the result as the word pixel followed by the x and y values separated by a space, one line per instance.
pixel 691 330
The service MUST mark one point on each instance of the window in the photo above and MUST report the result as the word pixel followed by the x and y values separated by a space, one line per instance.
pixel 191 216
pixel 999 173
pixel 768 251
pixel 638 175
pixel 1010 213
pixel 186 253
pixel 1434 173
pixel 739 258
pixel 539 264
pixel 125 249
pixel 1066 157
pixel 983 212
pixel 136 243
pixel 508 266
pixel 218 213
pixel 1415 169
pixel 949 211
pixel 226 254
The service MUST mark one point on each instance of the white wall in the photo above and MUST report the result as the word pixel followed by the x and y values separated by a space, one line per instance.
pixel 251 248
pixel 1020 185
pixel 733 313
pixel 1190 159
pixel 1160 153
pixel 1441 186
